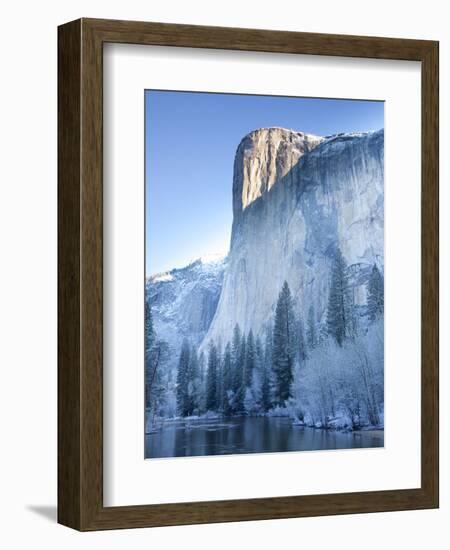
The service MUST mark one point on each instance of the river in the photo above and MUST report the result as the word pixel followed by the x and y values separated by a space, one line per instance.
pixel 241 435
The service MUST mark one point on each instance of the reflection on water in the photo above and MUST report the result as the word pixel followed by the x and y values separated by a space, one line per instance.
pixel 249 435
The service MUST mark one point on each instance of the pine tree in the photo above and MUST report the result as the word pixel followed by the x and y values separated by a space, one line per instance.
pixel 259 375
pixel 236 359
pixel 283 346
pixel 237 368
pixel 149 331
pixel 266 402
pixel 182 393
pixel 311 333
pixel 155 354
pixel 268 385
pixel 301 344
pixel 220 392
pixel 268 347
pixel 375 294
pixel 211 379
pixel 227 380
pixel 149 342
pixel 239 376
pixel 242 357
pixel 193 383
pixel 202 380
pixel 250 359
pixel 259 352
pixel 338 314
pixel 201 367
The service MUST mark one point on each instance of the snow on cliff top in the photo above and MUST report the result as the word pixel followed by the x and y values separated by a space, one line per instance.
pixel 281 129
pixel 326 138
pixel 207 262
pixel 161 277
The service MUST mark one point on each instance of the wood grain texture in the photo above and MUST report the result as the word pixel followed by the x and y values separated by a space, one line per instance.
pixel 430 272
pixel 69 246
pixel 80 264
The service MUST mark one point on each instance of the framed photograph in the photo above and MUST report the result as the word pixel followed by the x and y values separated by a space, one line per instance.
pixel 248 274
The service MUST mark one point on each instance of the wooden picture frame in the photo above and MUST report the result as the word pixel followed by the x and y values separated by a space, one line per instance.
pixel 80 272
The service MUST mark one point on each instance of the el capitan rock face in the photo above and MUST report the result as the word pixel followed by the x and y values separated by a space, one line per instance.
pixel 303 279
pixel 295 199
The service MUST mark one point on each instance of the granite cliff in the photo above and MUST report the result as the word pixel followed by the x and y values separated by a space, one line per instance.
pixel 296 197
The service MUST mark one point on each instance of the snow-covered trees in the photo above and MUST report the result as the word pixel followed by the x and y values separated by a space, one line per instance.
pixel 266 400
pixel 237 366
pixel 212 397
pixel 375 294
pixel 156 352
pixel 301 341
pixel 195 389
pixel 283 353
pixel 189 383
pixel 338 300
pixel 326 372
pixel 311 332
pixel 342 385
pixel 155 355
pixel 183 379
pixel 227 377
pixel 250 359
pixel 149 344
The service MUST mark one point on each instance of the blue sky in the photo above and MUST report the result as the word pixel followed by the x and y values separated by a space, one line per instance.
pixel 190 142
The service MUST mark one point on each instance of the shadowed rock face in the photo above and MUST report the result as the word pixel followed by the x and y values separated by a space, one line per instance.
pixel 295 199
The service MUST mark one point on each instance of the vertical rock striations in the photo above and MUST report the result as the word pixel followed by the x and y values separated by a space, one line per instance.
pixel 297 197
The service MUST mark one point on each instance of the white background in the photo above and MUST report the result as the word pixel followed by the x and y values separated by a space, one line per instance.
pixel 28 274
pixel 129 479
